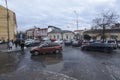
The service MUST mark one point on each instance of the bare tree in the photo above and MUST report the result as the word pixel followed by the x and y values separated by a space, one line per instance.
pixel 105 20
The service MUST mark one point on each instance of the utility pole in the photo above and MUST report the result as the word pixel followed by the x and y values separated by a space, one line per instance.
pixel 76 19
pixel 77 36
pixel 7 21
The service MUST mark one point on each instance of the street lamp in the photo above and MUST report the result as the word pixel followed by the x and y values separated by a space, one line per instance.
pixel 76 19
pixel 7 21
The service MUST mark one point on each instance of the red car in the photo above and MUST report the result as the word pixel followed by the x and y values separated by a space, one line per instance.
pixel 46 48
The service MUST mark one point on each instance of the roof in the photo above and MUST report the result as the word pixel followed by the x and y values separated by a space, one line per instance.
pixel 43 28
pixel 54 27
pixel 65 31
pixel 6 8
pixel 31 29
pixel 60 31
pixel 78 30
pixel 56 31
pixel 100 31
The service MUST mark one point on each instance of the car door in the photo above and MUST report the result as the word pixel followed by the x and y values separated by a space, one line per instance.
pixel 52 47
pixel 92 47
pixel 97 46
pixel 45 48
pixel 101 46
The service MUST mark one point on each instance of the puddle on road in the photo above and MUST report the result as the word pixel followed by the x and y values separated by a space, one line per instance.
pixel 48 59
pixel 8 62
pixel 10 67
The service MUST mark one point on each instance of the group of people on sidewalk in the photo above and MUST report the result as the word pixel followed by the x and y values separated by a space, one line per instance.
pixel 17 43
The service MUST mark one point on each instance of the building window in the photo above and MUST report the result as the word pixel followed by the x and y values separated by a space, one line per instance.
pixel 57 36
pixel 50 37
pixel 113 36
pixel 66 36
pixel 54 36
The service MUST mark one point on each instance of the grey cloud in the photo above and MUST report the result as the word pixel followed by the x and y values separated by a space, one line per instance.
pixel 59 13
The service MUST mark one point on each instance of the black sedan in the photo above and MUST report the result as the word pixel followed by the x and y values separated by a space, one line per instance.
pixel 97 47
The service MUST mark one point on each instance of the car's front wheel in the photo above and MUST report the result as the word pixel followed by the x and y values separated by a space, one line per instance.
pixel 35 53
pixel 58 51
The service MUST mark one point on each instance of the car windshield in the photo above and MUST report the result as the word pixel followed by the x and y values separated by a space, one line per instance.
pixel 75 41
pixel 43 45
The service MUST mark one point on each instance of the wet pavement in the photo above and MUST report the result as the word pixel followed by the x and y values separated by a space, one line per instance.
pixel 72 64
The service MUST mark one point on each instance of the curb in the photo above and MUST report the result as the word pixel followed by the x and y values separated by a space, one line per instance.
pixel 8 51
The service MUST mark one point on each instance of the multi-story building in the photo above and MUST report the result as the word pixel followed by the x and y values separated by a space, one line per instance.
pixel 43 32
pixel 30 33
pixel 36 33
pixel 3 24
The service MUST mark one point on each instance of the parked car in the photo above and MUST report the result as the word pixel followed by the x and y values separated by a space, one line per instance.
pixel 31 42
pixel 97 47
pixel 68 42
pixel 113 43
pixel 76 43
pixel 53 40
pixel 28 41
pixel 85 43
pixel 59 41
pixel 1 41
pixel 46 48
pixel 118 43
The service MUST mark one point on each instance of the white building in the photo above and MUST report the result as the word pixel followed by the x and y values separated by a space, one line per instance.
pixel 57 33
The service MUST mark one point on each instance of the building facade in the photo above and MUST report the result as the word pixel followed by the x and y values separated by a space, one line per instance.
pixel 43 32
pixel 109 34
pixel 36 33
pixel 78 34
pixel 68 35
pixel 30 33
pixel 58 34
pixel 3 24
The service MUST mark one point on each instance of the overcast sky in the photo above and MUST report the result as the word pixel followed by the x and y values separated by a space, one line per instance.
pixel 59 13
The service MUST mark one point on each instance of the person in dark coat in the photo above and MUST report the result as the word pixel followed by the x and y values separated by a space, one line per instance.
pixel 22 44
pixel 16 43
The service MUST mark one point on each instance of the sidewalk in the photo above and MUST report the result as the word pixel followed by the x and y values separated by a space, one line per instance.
pixel 3 48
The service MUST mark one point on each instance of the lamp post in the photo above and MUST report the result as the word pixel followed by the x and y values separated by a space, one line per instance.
pixel 77 36
pixel 76 19
pixel 7 21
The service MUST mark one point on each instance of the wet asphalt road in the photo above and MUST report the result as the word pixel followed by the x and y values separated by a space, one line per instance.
pixel 72 64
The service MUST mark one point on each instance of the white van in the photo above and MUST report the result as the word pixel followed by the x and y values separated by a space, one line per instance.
pixel 113 43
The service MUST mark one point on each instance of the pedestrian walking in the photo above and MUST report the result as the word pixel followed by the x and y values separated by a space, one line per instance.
pixel 16 43
pixel 10 44
pixel 22 44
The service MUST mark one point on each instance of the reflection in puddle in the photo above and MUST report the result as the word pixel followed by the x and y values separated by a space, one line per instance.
pixel 8 62
pixel 48 59
pixel 51 62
